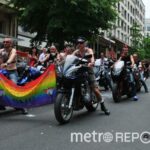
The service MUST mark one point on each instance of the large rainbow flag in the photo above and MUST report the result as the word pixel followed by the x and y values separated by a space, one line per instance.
pixel 35 93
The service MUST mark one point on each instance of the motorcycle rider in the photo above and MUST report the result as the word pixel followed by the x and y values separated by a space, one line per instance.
pixel 103 62
pixel 68 49
pixel 129 58
pixel 140 66
pixel 9 54
pixel 53 55
pixel 81 52
pixel 146 65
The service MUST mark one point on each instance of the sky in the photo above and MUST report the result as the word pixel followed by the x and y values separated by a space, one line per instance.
pixel 147 8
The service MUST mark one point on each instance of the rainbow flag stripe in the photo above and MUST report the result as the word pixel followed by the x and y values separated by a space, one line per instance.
pixel 35 93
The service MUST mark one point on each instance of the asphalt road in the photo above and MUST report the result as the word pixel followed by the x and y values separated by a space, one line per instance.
pixel 40 131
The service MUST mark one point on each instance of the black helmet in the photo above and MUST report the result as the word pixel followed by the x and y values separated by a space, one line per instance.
pixel 81 39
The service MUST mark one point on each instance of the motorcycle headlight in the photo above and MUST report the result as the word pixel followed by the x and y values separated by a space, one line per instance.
pixel 116 72
pixel 71 73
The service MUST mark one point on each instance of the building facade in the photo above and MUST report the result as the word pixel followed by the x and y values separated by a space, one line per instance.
pixel 8 22
pixel 24 40
pixel 129 12
pixel 9 28
pixel 147 27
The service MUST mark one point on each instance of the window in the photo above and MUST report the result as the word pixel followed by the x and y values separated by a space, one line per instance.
pixel 125 29
pixel 122 24
pixel 122 36
pixel 148 28
pixel 119 34
pixel 1 27
pixel 118 7
pixel 125 14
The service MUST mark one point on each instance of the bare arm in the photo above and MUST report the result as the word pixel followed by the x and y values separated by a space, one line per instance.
pixel 1 50
pixel 132 60
pixel 91 63
pixel 12 57
pixel 75 52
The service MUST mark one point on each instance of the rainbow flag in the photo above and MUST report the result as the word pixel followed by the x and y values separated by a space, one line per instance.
pixel 39 92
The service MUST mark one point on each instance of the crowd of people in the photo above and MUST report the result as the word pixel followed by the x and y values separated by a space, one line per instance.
pixel 8 61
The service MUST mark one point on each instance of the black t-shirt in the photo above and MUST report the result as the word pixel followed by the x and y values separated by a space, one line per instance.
pixel 52 57
pixel 137 63
pixel 126 59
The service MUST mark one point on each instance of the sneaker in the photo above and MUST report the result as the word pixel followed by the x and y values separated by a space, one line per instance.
pixel 135 98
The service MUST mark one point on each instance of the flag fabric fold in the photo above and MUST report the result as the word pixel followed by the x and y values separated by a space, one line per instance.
pixel 35 93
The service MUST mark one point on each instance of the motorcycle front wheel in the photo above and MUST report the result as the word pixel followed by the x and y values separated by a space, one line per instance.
pixel 62 111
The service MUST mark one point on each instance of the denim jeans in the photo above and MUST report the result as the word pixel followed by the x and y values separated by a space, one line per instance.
pixel 131 82
pixel 142 81
pixel 13 75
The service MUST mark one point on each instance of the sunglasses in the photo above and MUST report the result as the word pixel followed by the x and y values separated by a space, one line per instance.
pixel 6 42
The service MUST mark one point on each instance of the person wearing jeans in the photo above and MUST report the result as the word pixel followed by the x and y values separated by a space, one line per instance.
pixel 141 69
pixel 8 53
pixel 129 59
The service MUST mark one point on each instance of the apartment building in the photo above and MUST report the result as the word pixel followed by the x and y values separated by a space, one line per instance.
pixel 147 27
pixel 129 12
pixel 24 40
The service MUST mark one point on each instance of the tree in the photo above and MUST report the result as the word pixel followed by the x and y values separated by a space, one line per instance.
pixel 137 41
pixel 146 48
pixel 136 37
pixel 59 20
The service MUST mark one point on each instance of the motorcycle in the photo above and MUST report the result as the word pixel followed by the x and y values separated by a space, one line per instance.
pixel 26 74
pixel 136 73
pixel 29 74
pixel 73 90
pixel 121 85
pixel 103 75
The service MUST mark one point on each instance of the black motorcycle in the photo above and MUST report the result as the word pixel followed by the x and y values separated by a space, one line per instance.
pixel 138 82
pixel 73 90
pixel 121 85
pixel 103 75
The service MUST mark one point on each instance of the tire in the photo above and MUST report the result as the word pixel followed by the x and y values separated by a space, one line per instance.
pixel 129 94
pixel 62 113
pixel 111 85
pixel 93 104
pixel 116 93
pixel 138 85
pixel 139 89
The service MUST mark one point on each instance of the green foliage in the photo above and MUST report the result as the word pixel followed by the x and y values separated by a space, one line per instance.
pixel 141 53
pixel 136 38
pixel 140 44
pixel 146 42
pixel 60 20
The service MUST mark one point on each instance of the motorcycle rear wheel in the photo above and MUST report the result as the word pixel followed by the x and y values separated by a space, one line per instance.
pixel 62 111
pixel 116 93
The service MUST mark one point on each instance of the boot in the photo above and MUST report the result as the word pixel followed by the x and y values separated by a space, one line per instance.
pixel 104 109
pixel 2 107
pixel 23 110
